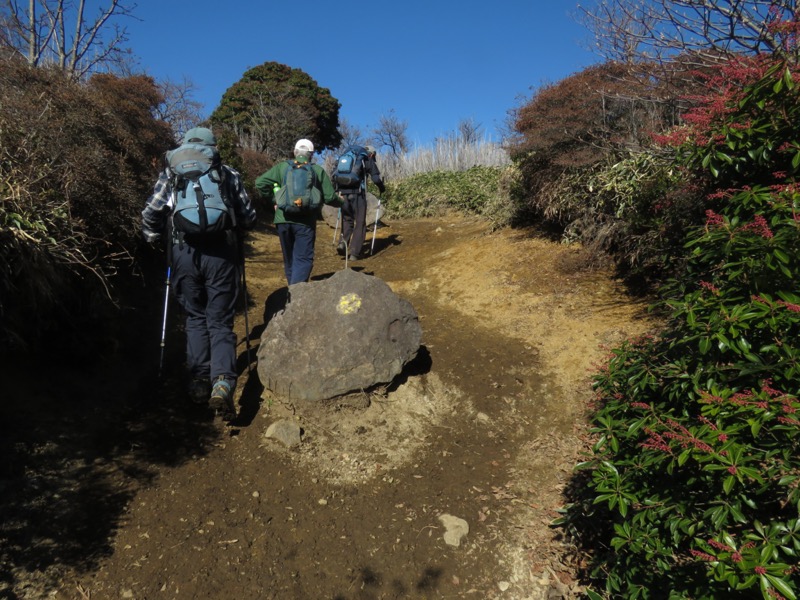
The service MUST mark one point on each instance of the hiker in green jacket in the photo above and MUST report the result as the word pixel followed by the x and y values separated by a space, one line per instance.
pixel 297 227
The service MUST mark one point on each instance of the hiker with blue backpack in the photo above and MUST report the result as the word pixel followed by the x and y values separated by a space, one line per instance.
pixel 350 178
pixel 298 189
pixel 199 207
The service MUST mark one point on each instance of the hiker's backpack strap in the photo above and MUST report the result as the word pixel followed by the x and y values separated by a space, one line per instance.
pixel 289 166
pixel 219 175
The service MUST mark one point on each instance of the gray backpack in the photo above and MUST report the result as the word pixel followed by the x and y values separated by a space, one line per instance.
pixel 201 209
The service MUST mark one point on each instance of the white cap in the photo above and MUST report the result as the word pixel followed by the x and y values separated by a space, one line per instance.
pixel 303 146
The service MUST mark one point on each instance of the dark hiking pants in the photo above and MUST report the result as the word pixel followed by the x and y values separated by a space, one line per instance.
pixel 206 286
pixel 354 221
pixel 297 244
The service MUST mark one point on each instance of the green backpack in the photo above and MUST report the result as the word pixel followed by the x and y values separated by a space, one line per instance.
pixel 300 193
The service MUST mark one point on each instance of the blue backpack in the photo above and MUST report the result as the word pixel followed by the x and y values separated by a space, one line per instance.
pixel 350 168
pixel 300 193
pixel 201 209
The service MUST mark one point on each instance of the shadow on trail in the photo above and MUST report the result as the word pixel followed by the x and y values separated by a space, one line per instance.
pixel 77 441
pixel 421 364
pixel 274 304
pixel 382 244
pixel 369 584
pixel 249 401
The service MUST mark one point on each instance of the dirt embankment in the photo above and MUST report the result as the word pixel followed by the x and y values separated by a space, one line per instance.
pixel 485 426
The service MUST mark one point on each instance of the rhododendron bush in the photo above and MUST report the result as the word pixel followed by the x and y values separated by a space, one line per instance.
pixel 692 484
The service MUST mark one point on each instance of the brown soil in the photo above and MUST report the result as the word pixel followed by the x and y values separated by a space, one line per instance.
pixel 132 493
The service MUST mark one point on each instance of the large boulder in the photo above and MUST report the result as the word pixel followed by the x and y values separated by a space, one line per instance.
pixel 346 333
pixel 375 211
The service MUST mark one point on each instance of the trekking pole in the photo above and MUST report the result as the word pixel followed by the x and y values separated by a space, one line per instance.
pixel 164 324
pixel 168 236
pixel 246 319
pixel 336 229
pixel 246 325
pixel 375 230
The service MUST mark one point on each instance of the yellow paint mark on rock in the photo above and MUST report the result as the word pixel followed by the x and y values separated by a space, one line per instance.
pixel 348 304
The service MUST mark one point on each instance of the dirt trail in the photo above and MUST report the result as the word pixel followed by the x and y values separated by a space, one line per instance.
pixel 485 426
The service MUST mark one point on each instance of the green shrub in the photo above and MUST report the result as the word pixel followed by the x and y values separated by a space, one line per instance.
pixel 630 210
pixel 480 191
pixel 630 207
pixel 693 482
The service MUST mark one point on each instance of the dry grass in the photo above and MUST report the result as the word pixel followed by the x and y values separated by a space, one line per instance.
pixel 444 155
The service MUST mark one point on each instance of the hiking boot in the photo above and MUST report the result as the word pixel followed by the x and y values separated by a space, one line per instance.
pixel 341 248
pixel 199 390
pixel 222 398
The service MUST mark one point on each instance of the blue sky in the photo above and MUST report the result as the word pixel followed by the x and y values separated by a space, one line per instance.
pixel 434 62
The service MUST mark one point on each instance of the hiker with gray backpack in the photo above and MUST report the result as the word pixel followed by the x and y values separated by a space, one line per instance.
pixel 350 178
pixel 199 207
pixel 298 189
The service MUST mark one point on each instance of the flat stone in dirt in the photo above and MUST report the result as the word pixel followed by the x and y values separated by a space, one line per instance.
pixel 343 334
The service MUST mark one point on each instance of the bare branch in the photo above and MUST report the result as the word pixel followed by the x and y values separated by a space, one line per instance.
pixel 351 134
pixel 39 34
pixel 469 132
pixel 391 132
pixel 178 108
pixel 275 124
pixel 659 30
